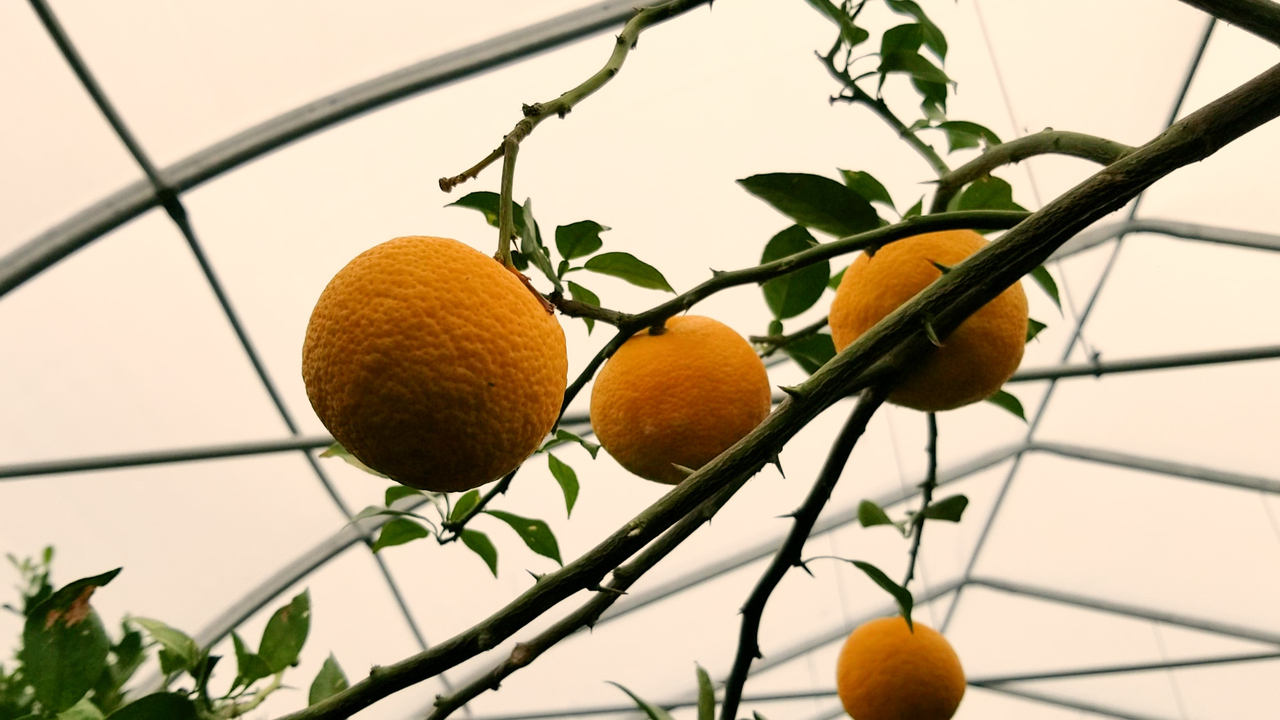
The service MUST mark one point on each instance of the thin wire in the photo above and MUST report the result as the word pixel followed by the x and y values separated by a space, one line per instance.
pixel 1004 92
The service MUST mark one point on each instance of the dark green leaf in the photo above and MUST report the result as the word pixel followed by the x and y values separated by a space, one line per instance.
pixel 867 187
pixel 83 710
pixel 814 202
pixel 286 633
pixel 329 681
pixel 988 193
pixel 464 505
pixel 182 651
pixel 482 546
pixel 915 211
pixel 159 706
pixel 65 647
pixel 900 594
pixel 1007 401
pixel 918 67
pixel 398 532
pixel 706 695
pixel 901 40
pixel 811 352
pixel 531 245
pixel 931 35
pixel 568 480
pixel 250 668
pixel 534 533
pixel 627 267
pixel 757 716
pixel 949 509
pixel 399 492
pixel 1034 327
pixel 487 203
pixel 834 282
pixel 1045 281
pixel 775 327
pixel 791 294
pixel 962 134
pixel 336 450
pixel 871 514
pixel 583 295
pixel 933 97
pixel 651 711
pixel 566 436
pixel 579 239
pixel 850 33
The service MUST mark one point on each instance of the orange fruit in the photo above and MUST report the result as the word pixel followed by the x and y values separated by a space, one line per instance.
pixel 434 364
pixel 974 361
pixel 887 672
pixel 680 397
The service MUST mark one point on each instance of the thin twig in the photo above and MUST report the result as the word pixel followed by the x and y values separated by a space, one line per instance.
pixel 1057 142
pixel 894 343
pixel 526 652
pixel 774 343
pixel 788 556
pixel 930 483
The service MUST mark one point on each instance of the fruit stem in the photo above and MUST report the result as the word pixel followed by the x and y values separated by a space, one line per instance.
pixel 506 217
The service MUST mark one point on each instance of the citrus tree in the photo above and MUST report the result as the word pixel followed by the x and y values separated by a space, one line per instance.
pixel 445 370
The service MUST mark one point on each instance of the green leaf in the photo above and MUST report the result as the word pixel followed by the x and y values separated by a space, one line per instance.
pixel 250 667
pixel 930 34
pixel 988 193
pixel 531 245
pixel 871 514
pixel 286 633
pixel 628 267
pixel 585 296
pixel 850 33
pixel 535 533
pixel 900 594
pixel 568 480
pixel 901 40
pixel 915 211
pixel 1034 327
pixel 399 492
pixel 811 352
pixel 487 203
pixel 564 436
pixel 336 450
pixel 815 202
pixel 1045 281
pixel 917 66
pixel 181 651
pixel 962 134
pixel 834 282
pixel 757 716
pixel 464 505
pixel 398 532
pixel 579 239
pixel 1007 401
pixel 64 646
pixel 651 711
pixel 482 546
pixel 791 294
pixel 706 695
pixel 83 710
pixel 329 681
pixel 159 706
pixel 867 187
pixel 950 509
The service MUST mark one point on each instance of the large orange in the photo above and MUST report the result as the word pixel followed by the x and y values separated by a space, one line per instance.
pixel 974 361
pixel 433 364
pixel 680 397
pixel 888 672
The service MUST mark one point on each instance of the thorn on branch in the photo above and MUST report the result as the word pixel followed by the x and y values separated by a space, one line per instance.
pixel 794 391
pixel 931 333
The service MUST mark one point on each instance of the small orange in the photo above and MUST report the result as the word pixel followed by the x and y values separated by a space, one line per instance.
pixel 680 397
pixel 888 672
pixel 974 361
pixel 434 364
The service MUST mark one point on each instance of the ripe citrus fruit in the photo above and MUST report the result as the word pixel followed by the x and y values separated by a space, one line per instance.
pixel 974 361
pixel 433 364
pixel 887 672
pixel 680 397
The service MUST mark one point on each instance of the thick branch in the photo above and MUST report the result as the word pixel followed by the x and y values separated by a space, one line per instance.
pixel 525 653
pixel 1058 142
pixel 1260 17
pixel 788 556
pixel 894 343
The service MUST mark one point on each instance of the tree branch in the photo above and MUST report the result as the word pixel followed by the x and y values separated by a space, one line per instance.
pixel 1260 17
pixel 930 483
pixel 774 343
pixel 894 343
pixel 788 556
pixel 1059 142
pixel 525 653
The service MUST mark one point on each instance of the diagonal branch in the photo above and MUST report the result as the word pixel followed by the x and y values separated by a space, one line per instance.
pixel 788 556
pixel 895 342
pixel 1260 17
